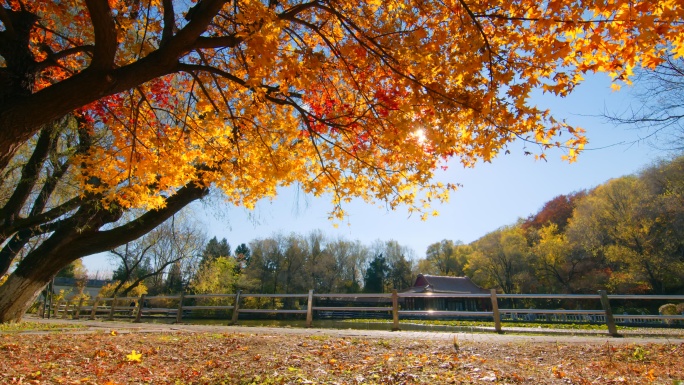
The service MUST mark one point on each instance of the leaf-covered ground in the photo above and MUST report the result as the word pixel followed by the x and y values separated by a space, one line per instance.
pixel 230 358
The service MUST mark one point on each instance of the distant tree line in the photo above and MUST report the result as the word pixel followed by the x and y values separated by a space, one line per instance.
pixel 626 236
pixel 278 264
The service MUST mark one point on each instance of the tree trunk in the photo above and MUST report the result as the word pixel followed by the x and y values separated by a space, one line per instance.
pixel 17 294
pixel 71 242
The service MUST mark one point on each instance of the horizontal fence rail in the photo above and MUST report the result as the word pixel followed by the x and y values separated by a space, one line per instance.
pixel 366 305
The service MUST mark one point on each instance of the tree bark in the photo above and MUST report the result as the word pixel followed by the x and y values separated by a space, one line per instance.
pixel 17 294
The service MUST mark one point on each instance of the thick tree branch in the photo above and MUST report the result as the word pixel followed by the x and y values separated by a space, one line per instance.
pixel 48 188
pixel 11 250
pixel 169 21
pixel 7 22
pixel 229 41
pixel 28 179
pixel 17 76
pixel 106 240
pixel 105 34
pixel 50 215
pixel 21 238
pixel 19 117
pixel 203 14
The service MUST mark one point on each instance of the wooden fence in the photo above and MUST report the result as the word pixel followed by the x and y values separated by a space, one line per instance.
pixel 387 303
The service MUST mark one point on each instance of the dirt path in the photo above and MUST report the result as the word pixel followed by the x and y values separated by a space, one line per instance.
pixel 672 336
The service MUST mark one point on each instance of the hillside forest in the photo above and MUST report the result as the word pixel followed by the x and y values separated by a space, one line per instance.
pixel 625 236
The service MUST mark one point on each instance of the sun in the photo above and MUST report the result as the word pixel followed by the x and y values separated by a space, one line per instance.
pixel 419 136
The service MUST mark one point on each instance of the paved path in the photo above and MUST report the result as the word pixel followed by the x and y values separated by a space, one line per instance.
pixel 675 336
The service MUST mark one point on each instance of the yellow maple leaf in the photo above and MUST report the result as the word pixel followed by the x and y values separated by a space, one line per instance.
pixel 113 333
pixel 134 357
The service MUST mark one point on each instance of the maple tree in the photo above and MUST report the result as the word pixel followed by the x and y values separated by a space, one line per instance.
pixel 556 211
pixel 352 98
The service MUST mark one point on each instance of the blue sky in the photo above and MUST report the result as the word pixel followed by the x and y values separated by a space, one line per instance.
pixel 493 194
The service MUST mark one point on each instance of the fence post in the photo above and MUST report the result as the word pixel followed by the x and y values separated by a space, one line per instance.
pixel 309 309
pixel 59 303
pixel 66 309
pixel 610 321
pixel 93 311
pixel 395 310
pixel 44 307
pixel 49 293
pixel 236 308
pixel 141 303
pixel 495 311
pixel 111 308
pixel 78 309
pixel 179 315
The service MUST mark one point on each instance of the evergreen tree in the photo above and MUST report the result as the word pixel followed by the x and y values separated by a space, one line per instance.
pixel 215 249
pixel 174 281
pixel 400 275
pixel 376 275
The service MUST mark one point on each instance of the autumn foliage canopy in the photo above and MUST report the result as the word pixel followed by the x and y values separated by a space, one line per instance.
pixel 358 99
